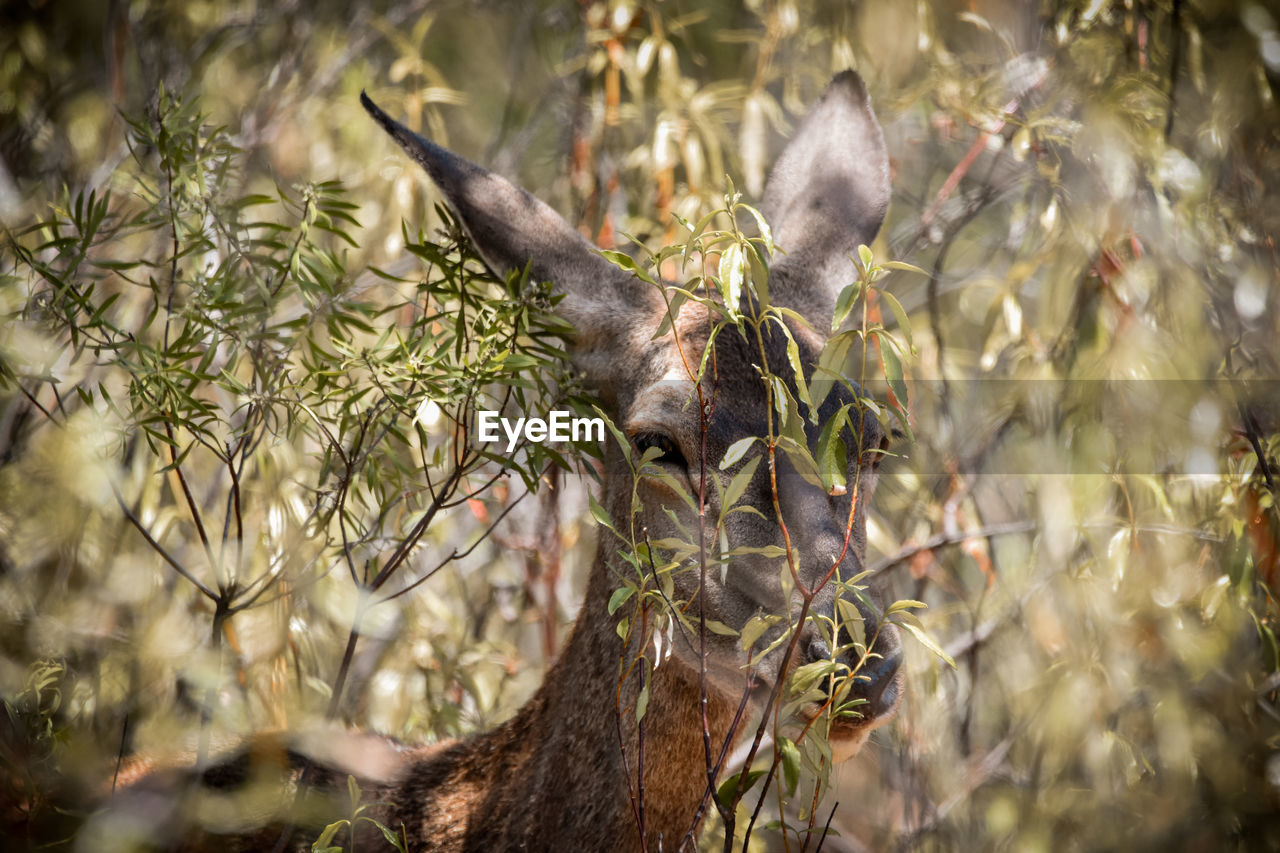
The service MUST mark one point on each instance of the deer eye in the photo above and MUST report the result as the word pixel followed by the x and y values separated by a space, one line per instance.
pixel 669 453
pixel 886 441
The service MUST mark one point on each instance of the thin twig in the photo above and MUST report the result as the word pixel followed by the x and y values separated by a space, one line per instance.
pixel 456 554
pixel 197 517
pixel 1175 61
pixel 942 539
pixel 159 549
pixel 826 828
pixel 124 734
pixel 1013 527
pixel 1253 432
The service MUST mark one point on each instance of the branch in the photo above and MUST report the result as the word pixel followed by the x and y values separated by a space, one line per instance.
pixel 456 554
pixel 945 539
pixel 159 549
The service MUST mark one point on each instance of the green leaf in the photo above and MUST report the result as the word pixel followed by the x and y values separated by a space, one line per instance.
pixel 759 273
pixel 793 317
pixel 833 459
pixel 893 372
pixel 928 642
pixel 679 488
pixel 322 844
pixel 834 354
pixel 802 460
pixel 738 485
pixel 735 786
pixel 755 628
pixel 905 267
pixel 852 622
pixel 619 597
pixel 805 677
pixel 905 604
pixel 781 399
pixel 802 387
pixel 599 514
pixel 353 790
pixel 677 299
pixel 624 261
pixel 900 315
pixel 864 255
pixel 790 754
pixel 766 233
pixel 844 304
pixel 736 451
pixel 730 272
pixel 391 838
pixel 768 551
pixel 715 626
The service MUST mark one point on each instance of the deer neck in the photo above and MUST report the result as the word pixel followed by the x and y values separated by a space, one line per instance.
pixel 561 774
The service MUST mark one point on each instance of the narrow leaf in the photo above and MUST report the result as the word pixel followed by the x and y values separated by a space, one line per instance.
pixel 905 267
pixel 738 485
pixel 736 451
pixel 619 597
pixel 928 642
pixel 893 372
pixel 900 315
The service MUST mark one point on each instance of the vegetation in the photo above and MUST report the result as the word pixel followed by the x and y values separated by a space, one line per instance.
pixel 240 487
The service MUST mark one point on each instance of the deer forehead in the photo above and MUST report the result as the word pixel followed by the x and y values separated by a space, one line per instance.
pixel 665 396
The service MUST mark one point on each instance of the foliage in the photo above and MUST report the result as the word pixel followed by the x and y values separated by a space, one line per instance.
pixel 239 438
pixel 34 741
pixel 324 843
pixel 1088 508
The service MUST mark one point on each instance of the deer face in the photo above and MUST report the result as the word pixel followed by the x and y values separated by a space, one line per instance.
pixel 825 533
pixel 827 194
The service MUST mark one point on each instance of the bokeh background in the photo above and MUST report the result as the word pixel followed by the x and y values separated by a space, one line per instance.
pixel 1088 505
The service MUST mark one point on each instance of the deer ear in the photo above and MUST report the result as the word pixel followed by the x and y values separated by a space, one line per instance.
pixel 510 228
pixel 827 194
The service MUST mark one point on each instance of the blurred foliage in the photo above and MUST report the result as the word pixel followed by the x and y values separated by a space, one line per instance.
pixel 1088 507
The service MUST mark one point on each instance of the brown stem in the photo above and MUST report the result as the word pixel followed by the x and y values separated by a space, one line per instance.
pixel 826 828
pixel 220 613
pixel 1175 60
pixel 159 549
pixel 942 539
pixel 344 668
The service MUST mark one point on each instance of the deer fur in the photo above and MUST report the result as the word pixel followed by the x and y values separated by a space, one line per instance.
pixel 555 776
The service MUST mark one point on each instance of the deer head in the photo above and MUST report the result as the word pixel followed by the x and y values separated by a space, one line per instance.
pixel 826 195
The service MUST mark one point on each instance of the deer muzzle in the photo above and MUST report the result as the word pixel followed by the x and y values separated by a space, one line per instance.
pixel 871 675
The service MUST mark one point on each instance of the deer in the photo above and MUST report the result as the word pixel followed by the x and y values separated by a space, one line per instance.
pixel 563 774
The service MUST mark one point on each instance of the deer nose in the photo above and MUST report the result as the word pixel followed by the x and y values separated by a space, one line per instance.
pixel 883 688
pixel 877 679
